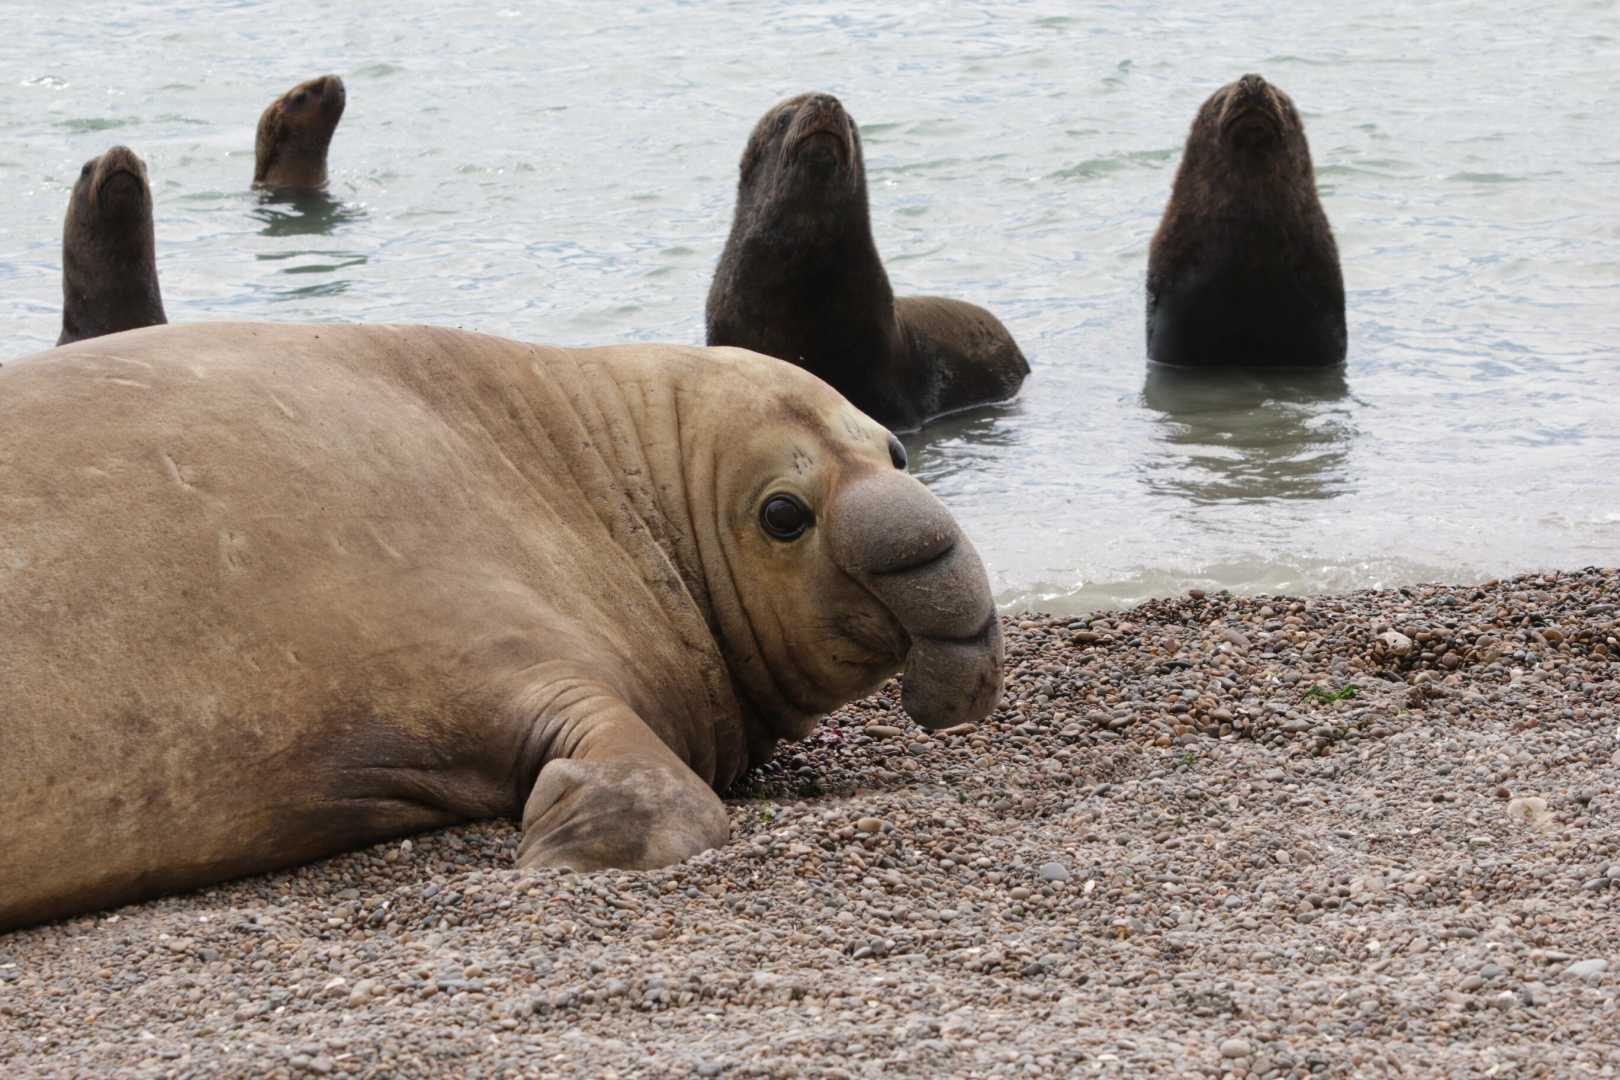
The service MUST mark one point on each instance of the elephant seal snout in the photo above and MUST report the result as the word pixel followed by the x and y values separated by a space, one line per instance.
pixel 903 546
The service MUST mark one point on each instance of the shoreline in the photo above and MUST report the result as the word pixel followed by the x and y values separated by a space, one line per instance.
pixel 1366 834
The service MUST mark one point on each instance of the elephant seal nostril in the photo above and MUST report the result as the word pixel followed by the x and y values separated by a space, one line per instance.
pixel 897 452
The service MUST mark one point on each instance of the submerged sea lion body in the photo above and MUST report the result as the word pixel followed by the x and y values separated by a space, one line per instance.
pixel 274 592
pixel 800 279
pixel 1244 271
pixel 294 133
pixel 109 250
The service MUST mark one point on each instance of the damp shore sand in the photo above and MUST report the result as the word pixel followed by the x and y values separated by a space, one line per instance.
pixel 1359 835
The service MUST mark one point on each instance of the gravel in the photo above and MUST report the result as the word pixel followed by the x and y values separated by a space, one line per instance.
pixel 1183 846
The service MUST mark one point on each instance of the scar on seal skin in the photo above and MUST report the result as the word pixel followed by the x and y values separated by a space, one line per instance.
pixel 800 279
pixel 109 250
pixel 1243 271
pixel 295 131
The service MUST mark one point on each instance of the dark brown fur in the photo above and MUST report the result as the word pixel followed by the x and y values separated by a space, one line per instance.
pixel 1243 271
pixel 109 252
pixel 800 279
pixel 294 133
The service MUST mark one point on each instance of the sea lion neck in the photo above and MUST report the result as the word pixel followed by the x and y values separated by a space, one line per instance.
pixel 1257 182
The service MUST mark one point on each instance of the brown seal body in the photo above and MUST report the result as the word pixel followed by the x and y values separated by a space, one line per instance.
pixel 273 592
pixel 1243 271
pixel 800 279
pixel 295 131
pixel 109 250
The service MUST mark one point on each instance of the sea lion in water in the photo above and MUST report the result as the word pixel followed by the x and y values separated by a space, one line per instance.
pixel 109 251
pixel 800 279
pixel 294 133
pixel 1243 270
pixel 275 592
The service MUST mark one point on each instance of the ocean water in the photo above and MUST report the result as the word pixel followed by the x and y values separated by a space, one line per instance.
pixel 564 172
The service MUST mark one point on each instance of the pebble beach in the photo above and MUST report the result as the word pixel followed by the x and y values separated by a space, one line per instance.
pixel 1368 834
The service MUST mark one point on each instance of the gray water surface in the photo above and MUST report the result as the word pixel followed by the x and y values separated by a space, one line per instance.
pixel 563 172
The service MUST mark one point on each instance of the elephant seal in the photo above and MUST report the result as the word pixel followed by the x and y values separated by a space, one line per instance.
pixel 294 133
pixel 272 592
pixel 800 279
pixel 109 251
pixel 1243 271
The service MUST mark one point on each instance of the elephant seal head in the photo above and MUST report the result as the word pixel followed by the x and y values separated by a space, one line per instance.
pixel 294 133
pixel 829 567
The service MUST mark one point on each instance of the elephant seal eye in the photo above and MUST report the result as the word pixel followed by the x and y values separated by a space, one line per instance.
pixel 897 452
pixel 785 517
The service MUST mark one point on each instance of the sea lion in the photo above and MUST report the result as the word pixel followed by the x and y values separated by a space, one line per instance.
pixel 800 279
pixel 274 592
pixel 109 251
pixel 1243 271
pixel 294 133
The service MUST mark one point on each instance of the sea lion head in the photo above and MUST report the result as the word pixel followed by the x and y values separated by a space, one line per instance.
pixel 112 188
pixel 294 133
pixel 1250 124
pixel 109 258
pixel 804 153
pixel 830 567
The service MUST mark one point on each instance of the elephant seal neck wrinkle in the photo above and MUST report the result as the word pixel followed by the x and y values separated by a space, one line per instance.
pixel 669 499
pixel 768 706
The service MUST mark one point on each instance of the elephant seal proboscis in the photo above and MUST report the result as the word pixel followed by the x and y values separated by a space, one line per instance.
pixel 294 133
pixel 109 250
pixel 1243 271
pixel 800 279
pixel 274 592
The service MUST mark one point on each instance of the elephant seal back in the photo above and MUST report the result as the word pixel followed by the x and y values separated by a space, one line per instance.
pixel 800 279
pixel 109 250
pixel 1243 270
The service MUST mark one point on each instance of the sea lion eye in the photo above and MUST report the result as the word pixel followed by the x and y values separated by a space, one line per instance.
pixel 91 164
pixel 300 97
pixel 897 452
pixel 782 121
pixel 785 517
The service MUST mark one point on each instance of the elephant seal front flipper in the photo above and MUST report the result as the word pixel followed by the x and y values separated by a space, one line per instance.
pixel 621 798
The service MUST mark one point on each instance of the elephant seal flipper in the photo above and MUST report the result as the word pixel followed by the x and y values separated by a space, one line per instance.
pixel 294 133
pixel 800 279
pixel 1243 270
pixel 620 799
pixel 109 250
